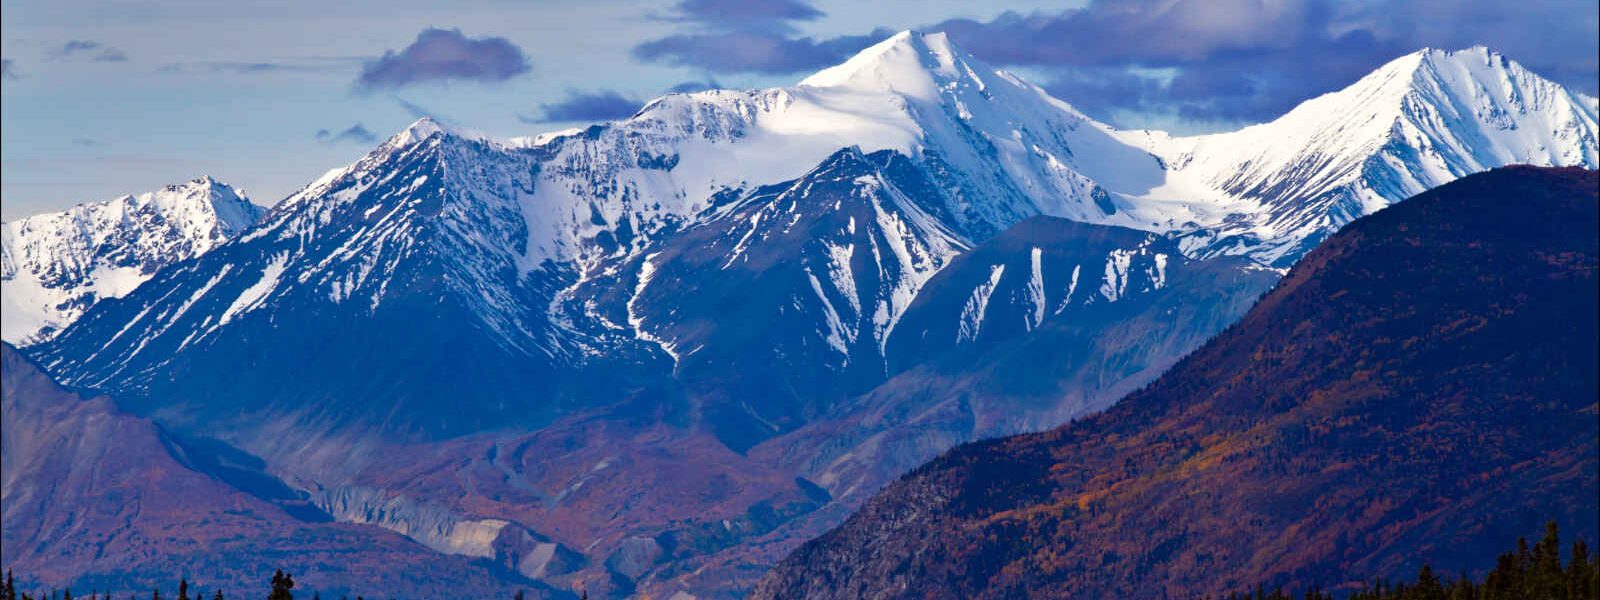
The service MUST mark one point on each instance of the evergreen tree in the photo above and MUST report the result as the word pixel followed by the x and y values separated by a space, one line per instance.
pixel 218 596
pixel 1523 559
pixel 183 588
pixel 1501 580
pixel 281 584
pixel 1527 573
pixel 1428 586
pixel 1546 579
pixel 8 589
pixel 1576 576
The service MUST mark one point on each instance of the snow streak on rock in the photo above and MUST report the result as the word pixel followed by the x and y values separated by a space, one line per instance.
pixel 978 305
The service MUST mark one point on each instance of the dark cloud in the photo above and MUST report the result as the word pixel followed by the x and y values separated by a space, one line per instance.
pixel 244 68
pixel 1556 38
pixel 92 50
pixel 84 142
pixel 603 105
pixel 1100 91
pixel 744 13
pixel 355 133
pixel 8 69
pixel 255 67
pixel 750 36
pixel 77 46
pixel 696 86
pixel 752 51
pixel 1249 60
pixel 309 64
pixel 440 55
pixel 1211 61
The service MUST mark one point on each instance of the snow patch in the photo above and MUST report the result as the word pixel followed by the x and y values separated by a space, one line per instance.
pixel 252 296
pixel 1115 283
pixel 1035 289
pixel 972 313
pixel 647 271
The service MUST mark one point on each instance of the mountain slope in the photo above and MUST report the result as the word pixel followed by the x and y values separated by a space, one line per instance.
pixel 1022 372
pixel 1046 322
pixel 96 498
pixel 1040 270
pixel 57 265
pixel 780 307
pixel 1418 390
pixel 352 308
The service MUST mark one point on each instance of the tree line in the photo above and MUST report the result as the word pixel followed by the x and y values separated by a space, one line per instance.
pixel 282 589
pixel 1526 573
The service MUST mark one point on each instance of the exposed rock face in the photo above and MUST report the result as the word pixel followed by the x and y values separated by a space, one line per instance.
pixel 634 556
pixel 532 555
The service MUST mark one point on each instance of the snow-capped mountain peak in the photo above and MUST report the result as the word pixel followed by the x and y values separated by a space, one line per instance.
pixel 907 63
pixel 1420 121
pixel 426 128
pixel 58 264
pixel 999 155
pixel 420 130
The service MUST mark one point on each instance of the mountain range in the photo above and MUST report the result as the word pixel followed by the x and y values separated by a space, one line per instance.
pixel 1416 391
pixel 656 354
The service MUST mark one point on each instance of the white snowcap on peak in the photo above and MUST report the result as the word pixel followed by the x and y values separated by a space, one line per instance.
pixel 1479 51
pixel 1474 57
pixel 419 130
pixel 908 62
pixel 210 187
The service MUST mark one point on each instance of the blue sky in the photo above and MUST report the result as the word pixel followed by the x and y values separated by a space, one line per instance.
pixel 104 98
